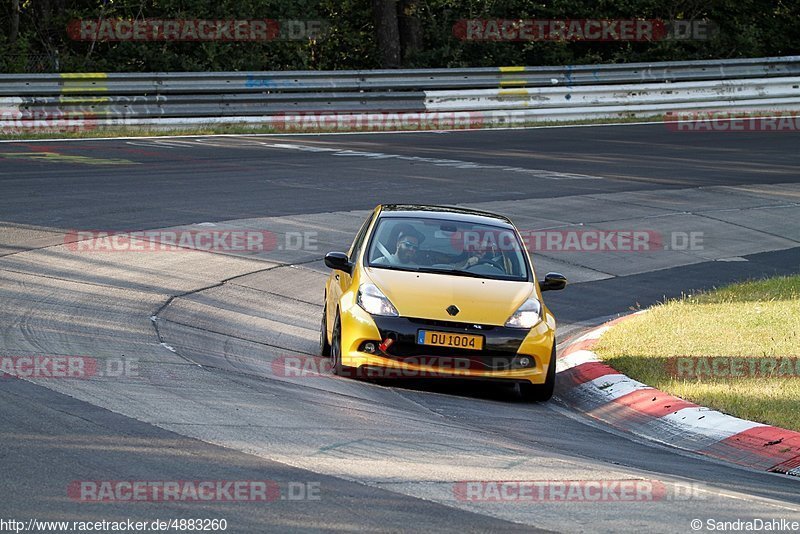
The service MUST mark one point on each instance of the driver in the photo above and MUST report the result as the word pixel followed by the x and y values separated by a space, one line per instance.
pixel 405 253
pixel 491 254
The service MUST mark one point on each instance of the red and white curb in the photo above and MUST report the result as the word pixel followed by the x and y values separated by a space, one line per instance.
pixel 603 393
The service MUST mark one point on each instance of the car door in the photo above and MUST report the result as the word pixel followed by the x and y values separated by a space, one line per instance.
pixel 341 280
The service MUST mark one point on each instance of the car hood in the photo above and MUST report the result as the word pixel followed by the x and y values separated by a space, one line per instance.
pixel 427 296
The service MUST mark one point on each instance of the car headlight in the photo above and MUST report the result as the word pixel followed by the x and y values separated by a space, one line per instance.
pixel 375 302
pixel 527 315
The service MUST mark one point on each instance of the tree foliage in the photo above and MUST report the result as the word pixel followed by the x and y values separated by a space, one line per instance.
pixel 358 39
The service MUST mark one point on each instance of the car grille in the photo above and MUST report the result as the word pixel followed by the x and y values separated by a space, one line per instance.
pixel 494 357
pixel 451 324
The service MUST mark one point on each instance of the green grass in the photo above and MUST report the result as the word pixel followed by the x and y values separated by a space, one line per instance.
pixel 244 129
pixel 142 131
pixel 757 319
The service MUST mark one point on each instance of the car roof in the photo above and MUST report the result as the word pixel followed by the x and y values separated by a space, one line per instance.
pixel 425 211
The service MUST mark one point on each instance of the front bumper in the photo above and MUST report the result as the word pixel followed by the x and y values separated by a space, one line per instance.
pixel 508 353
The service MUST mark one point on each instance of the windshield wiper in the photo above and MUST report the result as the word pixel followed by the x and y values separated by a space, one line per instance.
pixel 457 272
pixel 395 267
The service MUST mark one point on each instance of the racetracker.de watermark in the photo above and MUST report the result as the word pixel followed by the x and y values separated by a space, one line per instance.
pixel 732 121
pixel 573 240
pixel 583 30
pixel 589 491
pixel 253 30
pixel 56 366
pixel 201 491
pixel 727 367
pixel 378 122
pixel 301 366
pixel 207 240
pixel 16 121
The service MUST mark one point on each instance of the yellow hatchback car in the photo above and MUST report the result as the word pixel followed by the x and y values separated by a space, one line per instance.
pixel 433 291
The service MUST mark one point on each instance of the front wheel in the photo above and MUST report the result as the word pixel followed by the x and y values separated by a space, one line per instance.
pixel 541 392
pixel 336 348
pixel 324 346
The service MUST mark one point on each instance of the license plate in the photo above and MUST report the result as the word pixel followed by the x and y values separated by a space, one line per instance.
pixel 448 339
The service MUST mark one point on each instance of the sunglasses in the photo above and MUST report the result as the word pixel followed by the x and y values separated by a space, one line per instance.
pixel 409 244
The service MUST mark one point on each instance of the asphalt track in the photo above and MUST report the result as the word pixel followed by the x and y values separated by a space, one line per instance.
pixel 386 456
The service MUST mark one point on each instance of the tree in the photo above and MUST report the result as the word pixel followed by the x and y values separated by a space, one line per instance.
pixel 12 37
pixel 410 28
pixel 387 31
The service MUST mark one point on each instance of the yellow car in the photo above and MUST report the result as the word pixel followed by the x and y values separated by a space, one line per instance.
pixel 433 291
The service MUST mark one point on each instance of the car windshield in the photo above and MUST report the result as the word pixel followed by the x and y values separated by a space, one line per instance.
pixel 446 246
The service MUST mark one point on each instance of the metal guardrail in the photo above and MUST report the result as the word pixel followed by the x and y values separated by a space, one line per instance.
pixel 523 93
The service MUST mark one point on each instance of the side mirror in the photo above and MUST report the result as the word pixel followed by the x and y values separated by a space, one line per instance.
pixel 553 282
pixel 338 261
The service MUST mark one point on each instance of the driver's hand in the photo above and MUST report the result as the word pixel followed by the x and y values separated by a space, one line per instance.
pixel 472 260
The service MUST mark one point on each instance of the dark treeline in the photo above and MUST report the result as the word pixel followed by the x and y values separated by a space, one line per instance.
pixel 363 34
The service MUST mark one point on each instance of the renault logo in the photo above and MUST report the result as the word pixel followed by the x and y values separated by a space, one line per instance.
pixel 453 310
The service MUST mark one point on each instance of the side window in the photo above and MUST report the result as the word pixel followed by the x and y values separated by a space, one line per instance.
pixel 359 240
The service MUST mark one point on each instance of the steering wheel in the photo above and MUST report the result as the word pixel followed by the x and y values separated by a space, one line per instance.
pixel 493 263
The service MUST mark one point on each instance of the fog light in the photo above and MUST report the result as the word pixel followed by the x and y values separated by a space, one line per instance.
pixel 369 347
pixel 525 361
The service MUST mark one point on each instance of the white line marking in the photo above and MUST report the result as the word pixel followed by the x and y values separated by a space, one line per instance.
pixel 459 164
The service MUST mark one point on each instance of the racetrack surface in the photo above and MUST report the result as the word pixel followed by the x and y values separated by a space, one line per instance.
pixel 387 456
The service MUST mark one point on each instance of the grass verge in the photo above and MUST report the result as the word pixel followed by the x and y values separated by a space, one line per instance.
pixel 734 349
pixel 245 129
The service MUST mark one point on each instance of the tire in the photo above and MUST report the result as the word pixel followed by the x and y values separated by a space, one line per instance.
pixel 336 348
pixel 324 346
pixel 541 392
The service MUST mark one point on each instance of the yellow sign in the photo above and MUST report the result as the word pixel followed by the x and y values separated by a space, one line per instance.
pixel 83 82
